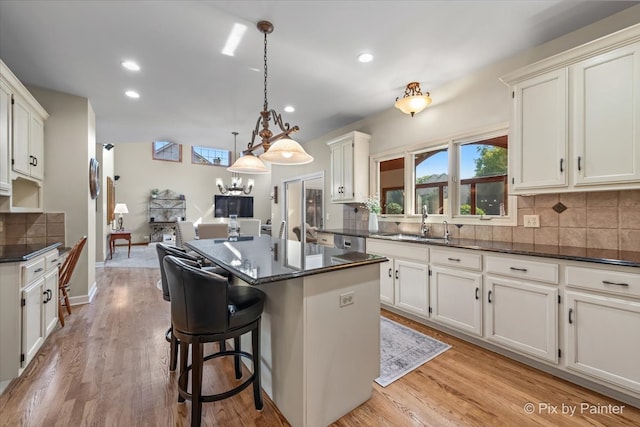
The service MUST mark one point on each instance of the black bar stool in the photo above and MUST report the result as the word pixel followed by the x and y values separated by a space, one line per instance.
pixel 204 308
pixel 164 250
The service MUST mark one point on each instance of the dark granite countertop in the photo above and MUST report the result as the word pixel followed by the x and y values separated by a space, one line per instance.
pixel 264 259
pixel 19 253
pixel 601 256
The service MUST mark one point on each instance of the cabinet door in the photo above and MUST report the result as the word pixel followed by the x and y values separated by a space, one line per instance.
pixel 538 144
pixel 348 192
pixel 606 117
pixel 336 172
pixel 32 330
pixel 50 301
pixel 456 299
pixel 386 282
pixel 5 138
pixel 523 316
pixel 36 147
pixel 21 161
pixel 412 287
pixel 603 339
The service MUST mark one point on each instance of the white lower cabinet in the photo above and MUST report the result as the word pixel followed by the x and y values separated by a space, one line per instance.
pixel 603 338
pixel 412 287
pixel 404 278
pixel 456 299
pixel 50 302
pixel 28 311
pixel 387 286
pixel 522 317
pixel 33 332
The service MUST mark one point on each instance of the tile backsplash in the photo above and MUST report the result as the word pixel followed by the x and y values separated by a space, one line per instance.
pixel 32 228
pixel 599 220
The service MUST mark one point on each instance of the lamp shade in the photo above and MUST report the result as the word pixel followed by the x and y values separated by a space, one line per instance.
pixel 286 151
pixel 248 164
pixel 413 104
pixel 121 208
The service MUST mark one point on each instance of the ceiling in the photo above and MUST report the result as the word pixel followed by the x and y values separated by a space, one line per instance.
pixel 192 94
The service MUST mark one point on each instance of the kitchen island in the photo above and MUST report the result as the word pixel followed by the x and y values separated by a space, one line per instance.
pixel 320 335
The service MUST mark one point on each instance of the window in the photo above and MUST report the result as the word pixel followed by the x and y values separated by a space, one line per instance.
pixel 483 177
pixel 210 156
pixel 392 186
pixel 166 150
pixel 462 179
pixel 432 181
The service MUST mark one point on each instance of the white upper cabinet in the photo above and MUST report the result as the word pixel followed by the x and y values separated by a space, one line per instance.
pixel 575 118
pixel 28 140
pixel 538 152
pixel 349 167
pixel 5 140
pixel 605 123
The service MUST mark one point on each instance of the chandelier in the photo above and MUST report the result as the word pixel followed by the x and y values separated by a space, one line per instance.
pixel 278 149
pixel 413 100
pixel 236 188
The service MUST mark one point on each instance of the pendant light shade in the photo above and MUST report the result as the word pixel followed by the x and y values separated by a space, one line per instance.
pixel 248 163
pixel 413 101
pixel 286 151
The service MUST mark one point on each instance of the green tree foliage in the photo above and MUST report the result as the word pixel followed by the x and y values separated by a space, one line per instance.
pixel 492 161
pixel 466 210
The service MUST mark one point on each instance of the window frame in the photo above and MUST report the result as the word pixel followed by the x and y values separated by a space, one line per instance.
pixel 230 162
pixel 452 210
pixel 153 152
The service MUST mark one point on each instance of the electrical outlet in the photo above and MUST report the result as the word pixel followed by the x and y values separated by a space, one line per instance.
pixel 347 298
pixel 532 221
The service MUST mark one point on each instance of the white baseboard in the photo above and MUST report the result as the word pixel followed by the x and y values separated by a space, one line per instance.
pixel 84 299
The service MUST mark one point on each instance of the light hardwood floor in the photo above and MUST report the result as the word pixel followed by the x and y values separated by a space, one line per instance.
pixel 108 367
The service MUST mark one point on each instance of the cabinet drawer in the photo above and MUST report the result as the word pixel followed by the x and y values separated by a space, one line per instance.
pixel 412 251
pixel 325 239
pixel 52 260
pixel 523 269
pixel 32 270
pixel 456 259
pixel 615 282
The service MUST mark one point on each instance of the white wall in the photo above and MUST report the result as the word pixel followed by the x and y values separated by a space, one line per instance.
pixel 139 173
pixel 475 102
pixel 102 228
pixel 69 145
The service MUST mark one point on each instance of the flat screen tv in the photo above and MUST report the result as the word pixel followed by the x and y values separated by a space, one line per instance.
pixel 223 206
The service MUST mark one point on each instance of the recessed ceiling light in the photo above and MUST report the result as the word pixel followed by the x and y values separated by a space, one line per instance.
pixel 132 94
pixel 234 39
pixel 365 57
pixel 131 65
pixel 289 109
pixel 255 69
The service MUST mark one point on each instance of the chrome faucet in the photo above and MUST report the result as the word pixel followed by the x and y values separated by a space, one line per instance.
pixel 446 230
pixel 424 228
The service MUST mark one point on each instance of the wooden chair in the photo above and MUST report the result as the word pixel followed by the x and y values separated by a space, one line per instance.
pixel 64 276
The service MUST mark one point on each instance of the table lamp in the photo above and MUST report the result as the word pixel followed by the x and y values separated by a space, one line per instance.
pixel 120 209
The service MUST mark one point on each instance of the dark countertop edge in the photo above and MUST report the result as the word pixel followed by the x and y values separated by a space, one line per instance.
pixel 455 243
pixel 30 255
pixel 292 275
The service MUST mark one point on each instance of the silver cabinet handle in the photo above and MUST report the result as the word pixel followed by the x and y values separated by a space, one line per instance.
pixel 606 282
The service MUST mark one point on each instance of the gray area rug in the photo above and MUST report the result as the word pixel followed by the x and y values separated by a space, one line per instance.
pixel 402 350
pixel 142 256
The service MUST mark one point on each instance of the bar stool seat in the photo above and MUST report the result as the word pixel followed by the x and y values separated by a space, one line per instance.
pixel 204 308
pixel 162 251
